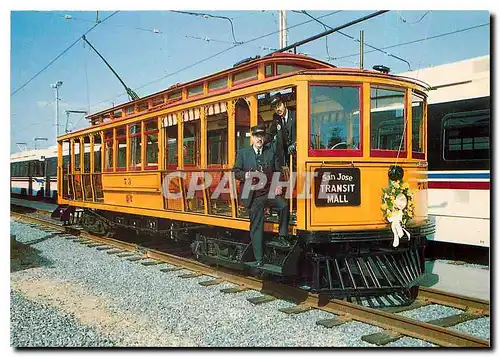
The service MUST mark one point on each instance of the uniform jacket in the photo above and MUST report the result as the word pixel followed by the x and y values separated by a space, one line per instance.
pixel 285 134
pixel 246 161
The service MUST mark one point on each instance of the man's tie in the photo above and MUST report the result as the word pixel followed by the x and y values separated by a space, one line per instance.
pixel 258 152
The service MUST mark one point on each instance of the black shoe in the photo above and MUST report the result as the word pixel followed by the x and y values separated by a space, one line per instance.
pixel 282 241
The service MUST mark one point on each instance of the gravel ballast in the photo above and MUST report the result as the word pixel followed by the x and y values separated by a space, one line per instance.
pixel 117 302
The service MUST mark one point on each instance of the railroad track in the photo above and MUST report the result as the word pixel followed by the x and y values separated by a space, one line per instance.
pixel 395 326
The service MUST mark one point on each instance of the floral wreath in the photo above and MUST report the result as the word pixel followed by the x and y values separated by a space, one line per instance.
pixel 397 206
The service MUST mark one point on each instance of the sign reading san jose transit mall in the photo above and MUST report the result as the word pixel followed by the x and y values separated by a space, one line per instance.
pixel 337 187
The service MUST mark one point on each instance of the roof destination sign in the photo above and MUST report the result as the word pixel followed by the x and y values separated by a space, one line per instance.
pixel 337 187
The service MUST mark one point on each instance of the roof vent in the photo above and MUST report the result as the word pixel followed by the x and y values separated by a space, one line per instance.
pixel 245 60
pixel 381 68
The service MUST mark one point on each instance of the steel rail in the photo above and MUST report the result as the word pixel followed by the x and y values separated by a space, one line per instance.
pixel 388 321
pixel 478 306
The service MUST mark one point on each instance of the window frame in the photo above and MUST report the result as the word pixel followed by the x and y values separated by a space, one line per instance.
pixel 458 115
pixel 403 154
pixel 336 152
pixel 417 154
pixel 144 140
pixel 137 167
pixel 117 146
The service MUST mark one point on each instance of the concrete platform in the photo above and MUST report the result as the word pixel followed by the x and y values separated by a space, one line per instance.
pixel 458 279
pixel 42 206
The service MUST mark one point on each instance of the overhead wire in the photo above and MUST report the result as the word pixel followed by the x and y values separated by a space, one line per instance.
pixel 217 54
pixel 199 14
pixel 61 54
pixel 357 40
pixel 421 39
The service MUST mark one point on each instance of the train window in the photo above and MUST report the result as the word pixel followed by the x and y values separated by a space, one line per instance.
pixel 335 120
pixel 121 147
pixel 387 120
pixel 269 70
pixel 217 135
pixel 97 153
pixel 86 155
pixel 242 119
pixel 191 143
pixel 108 147
pixel 466 136
pixel 195 90
pixel 134 132
pixel 175 95
pixel 286 68
pixel 76 154
pixel 24 169
pixel 418 131
pixel 171 139
pixel 217 84
pixel 151 138
pixel 51 166
pixel 245 75
pixel 142 106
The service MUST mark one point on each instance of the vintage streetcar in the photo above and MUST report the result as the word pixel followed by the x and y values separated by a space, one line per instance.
pixel 162 165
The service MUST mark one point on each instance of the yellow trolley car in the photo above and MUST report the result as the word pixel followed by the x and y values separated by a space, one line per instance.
pixel 360 184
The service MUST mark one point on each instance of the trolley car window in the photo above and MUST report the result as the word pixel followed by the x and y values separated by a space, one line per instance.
pixel 417 104
pixel 86 155
pixel 135 146
pixel 108 155
pixel 242 119
pixel 245 75
pixel 171 138
pixel 217 139
pixel 121 146
pixel 195 90
pixel 151 137
pixel 97 153
pixel 466 136
pixel 76 152
pixel 217 84
pixel 191 143
pixel 388 119
pixel 285 68
pixel 335 117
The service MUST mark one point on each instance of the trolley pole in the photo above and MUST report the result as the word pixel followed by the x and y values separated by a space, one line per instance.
pixel 282 28
pixel 56 90
pixel 361 48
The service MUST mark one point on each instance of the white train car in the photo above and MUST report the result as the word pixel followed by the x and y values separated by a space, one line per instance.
pixel 459 144
pixel 33 174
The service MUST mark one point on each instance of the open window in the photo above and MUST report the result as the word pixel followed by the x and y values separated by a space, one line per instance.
pixel 121 148
pixel 418 129
pixel 108 147
pixel 151 142
pixel 134 132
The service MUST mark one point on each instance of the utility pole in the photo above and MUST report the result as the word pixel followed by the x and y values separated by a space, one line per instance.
pixel 56 90
pixel 282 28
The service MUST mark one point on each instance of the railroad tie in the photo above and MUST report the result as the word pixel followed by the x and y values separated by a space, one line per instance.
pixel 261 299
pixel 114 251
pixel 104 248
pixel 295 309
pixel 125 254
pixel 414 305
pixel 189 275
pixel 211 282
pixel 92 245
pixel 382 338
pixel 453 320
pixel 234 290
pixel 154 262
pixel 336 321
pixel 168 270
pixel 134 259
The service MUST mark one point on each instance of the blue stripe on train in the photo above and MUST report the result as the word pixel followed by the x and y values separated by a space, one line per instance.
pixel 459 175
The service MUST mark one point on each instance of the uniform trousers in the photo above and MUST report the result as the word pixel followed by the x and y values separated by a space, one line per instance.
pixel 257 220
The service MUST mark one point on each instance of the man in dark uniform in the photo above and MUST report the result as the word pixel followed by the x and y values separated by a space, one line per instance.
pixel 261 158
pixel 284 128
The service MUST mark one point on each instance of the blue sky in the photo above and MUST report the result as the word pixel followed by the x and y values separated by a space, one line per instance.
pixel 140 56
